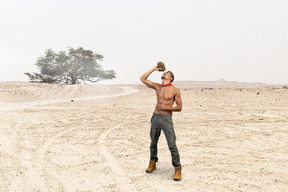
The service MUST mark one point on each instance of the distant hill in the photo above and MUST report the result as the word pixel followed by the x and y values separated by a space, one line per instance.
pixel 221 84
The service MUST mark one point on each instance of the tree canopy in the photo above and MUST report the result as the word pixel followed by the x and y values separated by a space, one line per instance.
pixel 72 67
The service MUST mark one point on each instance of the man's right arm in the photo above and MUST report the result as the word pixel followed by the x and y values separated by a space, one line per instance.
pixel 147 82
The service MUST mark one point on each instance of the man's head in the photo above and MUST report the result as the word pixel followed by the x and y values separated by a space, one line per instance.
pixel 168 76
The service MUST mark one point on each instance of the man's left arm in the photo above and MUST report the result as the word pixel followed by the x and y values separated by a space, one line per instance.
pixel 178 101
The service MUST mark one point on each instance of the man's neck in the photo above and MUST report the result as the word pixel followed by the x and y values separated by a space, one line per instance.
pixel 165 83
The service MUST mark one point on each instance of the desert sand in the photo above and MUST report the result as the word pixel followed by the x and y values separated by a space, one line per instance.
pixel 230 136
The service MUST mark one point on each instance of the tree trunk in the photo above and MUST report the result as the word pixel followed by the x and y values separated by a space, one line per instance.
pixel 73 80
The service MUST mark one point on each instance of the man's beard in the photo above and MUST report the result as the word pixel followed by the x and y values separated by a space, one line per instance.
pixel 162 77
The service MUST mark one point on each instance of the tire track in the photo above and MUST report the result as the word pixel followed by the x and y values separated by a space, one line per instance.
pixel 38 159
pixel 32 175
pixel 124 182
pixel 40 154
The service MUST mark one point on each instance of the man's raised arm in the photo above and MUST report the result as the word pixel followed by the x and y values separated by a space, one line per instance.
pixel 147 82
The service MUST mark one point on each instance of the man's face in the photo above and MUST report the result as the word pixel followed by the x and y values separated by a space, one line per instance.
pixel 166 75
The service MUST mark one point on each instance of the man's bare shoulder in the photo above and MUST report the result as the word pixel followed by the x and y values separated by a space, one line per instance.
pixel 175 88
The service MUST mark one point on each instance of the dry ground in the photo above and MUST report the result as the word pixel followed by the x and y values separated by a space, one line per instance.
pixel 232 139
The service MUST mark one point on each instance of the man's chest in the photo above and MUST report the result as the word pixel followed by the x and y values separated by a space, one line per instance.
pixel 165 93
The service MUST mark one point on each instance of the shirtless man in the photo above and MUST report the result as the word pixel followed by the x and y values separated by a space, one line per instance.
pixel 167 94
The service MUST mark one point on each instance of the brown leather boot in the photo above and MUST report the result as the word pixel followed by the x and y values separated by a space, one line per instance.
pixel 177 176
pixel 152 166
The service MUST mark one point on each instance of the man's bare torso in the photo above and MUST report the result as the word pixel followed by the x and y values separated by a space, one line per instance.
pixel 165 97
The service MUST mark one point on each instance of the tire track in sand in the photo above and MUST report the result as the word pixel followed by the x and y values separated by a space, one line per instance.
pixel 68 186
pixel 37 162
pixel 32 177
pixel 40 159
pixel 124 182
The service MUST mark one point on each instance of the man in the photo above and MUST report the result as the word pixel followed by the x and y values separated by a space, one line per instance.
pixel 167 94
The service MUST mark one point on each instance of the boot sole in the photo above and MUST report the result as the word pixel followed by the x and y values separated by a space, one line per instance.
pixel 151 171
pixel 177 179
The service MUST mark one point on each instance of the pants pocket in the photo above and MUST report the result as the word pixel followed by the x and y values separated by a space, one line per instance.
pixel 152 118
pixel 169 120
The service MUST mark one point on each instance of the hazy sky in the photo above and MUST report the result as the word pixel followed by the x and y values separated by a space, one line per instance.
pixel 238 40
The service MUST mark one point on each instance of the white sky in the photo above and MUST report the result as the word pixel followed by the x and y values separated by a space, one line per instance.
pixel 238 40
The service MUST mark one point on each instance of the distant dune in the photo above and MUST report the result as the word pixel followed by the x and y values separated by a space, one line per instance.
pixel 25 91
pixel 221 84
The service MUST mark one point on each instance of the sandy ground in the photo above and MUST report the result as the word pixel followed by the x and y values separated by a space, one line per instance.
pixel 96 138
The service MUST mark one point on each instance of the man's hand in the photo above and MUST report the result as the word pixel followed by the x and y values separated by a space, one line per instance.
pixel 156 68
pixel 161 107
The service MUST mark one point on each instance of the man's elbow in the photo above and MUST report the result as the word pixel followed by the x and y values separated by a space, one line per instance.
pixel 143 78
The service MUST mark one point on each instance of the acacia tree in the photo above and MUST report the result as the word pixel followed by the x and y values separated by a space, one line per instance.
pixel 76 66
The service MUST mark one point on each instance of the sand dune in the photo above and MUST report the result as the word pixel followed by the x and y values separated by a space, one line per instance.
pixel 229 139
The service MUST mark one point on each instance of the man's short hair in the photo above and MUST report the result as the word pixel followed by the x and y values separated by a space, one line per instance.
pixel 172 75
